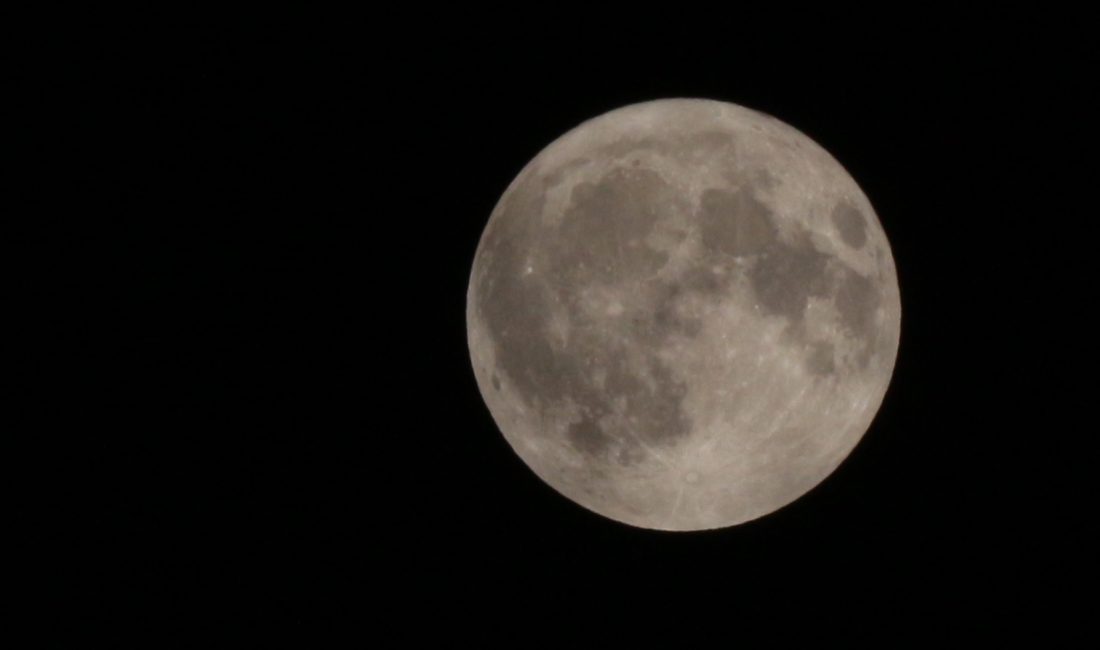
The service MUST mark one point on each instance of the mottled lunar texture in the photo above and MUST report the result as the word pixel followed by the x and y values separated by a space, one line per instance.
pixel 683 314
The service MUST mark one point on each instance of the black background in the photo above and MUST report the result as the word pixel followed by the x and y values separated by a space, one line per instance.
pixel 260 411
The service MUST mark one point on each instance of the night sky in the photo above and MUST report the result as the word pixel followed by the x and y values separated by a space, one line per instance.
pixel 260 409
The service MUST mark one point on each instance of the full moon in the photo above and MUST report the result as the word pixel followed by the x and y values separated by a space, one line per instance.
pixel 683 314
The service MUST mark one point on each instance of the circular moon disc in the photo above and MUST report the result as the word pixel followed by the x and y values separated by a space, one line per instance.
pixel 683 314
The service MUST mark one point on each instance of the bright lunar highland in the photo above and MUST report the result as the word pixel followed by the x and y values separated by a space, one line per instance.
pixel 683 314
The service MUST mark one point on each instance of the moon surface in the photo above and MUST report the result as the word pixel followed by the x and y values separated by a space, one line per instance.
pixel 683 314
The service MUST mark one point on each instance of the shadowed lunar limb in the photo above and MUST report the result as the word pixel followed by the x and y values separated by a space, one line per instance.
pixel 683 314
